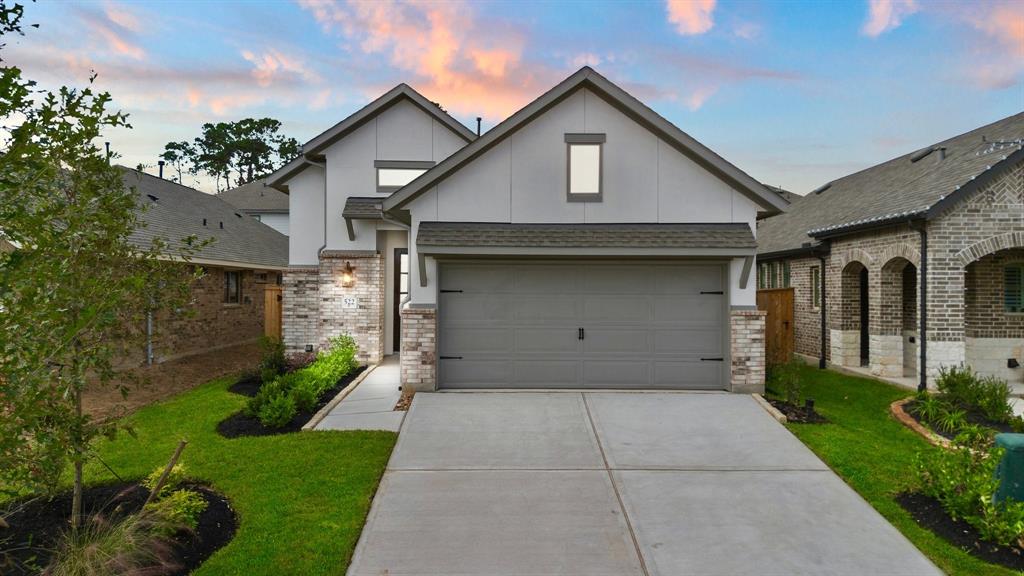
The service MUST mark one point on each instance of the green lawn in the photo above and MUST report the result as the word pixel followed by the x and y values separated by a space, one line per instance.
pixel 301 498
pixel 874 454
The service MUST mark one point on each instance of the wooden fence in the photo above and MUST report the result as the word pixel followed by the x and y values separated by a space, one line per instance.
pixel 780 336
pixel 272 311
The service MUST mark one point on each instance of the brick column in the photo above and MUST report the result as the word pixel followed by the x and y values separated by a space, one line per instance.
pixel 419 349
pixel 300 308
pixel 365 320
pixel 748 354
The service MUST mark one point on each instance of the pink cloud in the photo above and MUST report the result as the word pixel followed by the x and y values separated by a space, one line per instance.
pixel 272 64
pixel 117 26
pixel 438 46
pixel 699 96
pixel 885 15
pixel 691 17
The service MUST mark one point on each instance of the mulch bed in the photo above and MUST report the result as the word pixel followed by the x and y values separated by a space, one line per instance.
pixel 929 513
pixel 239 424
pixel 403 403
pixel 36 528
pixel 797 414
pixel 247 385
pixel 972 417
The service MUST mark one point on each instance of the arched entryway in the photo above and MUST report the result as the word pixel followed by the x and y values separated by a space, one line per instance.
pixel 854 343
pixel 894 332
pixel 994 315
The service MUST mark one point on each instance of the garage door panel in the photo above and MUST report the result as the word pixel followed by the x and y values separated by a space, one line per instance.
pixel 618 374
pixel 687 279
pixel 702 342
pixel 617 341
pixel 476 308
pixel 544 279
pixel 539 373
pixel 688 309
pixel 549 309
pixel 471 341
pixel 541 340
pixel 482 373
pixel 610 279
pixel 695 375
pixel 616 308
pixel 477 278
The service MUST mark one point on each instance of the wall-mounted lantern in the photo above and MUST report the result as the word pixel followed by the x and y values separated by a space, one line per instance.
pixel 348 275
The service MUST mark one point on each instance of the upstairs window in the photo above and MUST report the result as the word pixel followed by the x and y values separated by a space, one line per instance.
pixel 1013 288
pixel 393 174
pixel 585 154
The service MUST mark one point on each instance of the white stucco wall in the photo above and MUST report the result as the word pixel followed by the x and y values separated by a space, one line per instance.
pixel 523 179
pixel 306 216
pixel 276 221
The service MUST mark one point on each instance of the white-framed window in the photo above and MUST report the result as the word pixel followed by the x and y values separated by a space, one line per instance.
pixel 394 174
pixel 584 159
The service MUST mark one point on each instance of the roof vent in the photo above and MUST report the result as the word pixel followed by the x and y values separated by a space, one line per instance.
pixel 922 154
pixel 821 189
pixel 221 224
pixel 237 214
pixel 153 198
pixel 204 221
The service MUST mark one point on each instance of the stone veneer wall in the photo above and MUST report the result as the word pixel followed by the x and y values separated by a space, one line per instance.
pixel 748 355
pixel 419 348
pixel 364 322
pixel 300 308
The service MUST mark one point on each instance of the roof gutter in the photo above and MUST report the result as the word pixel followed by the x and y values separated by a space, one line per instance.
pixel 814 250
pixel 869 225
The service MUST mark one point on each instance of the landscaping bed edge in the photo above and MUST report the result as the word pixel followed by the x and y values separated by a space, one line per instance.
pixel 323 412
pixel 896 409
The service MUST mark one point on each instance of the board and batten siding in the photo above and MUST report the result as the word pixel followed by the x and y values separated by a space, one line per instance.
pixel 523 179
pixel 401 132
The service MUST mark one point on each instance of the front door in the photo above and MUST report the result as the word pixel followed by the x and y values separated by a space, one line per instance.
pixel 401 291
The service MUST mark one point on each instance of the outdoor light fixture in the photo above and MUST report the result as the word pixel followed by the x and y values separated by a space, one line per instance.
pixel 348 276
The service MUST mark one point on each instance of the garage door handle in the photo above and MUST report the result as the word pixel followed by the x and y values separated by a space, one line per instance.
pixel 712 359
pixel 451 291
pixel 580 334
pixel 451 357
pixel 712 292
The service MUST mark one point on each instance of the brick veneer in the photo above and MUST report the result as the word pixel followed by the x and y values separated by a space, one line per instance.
pixel 419 348
pixel 314 309
pixel 747 351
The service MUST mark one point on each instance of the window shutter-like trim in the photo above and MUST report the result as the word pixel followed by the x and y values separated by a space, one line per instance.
pixel 1013 288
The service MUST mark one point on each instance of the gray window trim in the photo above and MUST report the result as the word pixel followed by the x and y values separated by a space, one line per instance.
pixel 585 138
pixel 588 140
pixel 399 164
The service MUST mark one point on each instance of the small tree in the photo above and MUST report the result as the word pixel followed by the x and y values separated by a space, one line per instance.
pixel 72 285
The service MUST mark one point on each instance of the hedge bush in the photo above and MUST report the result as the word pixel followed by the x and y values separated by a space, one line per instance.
pixel 279 400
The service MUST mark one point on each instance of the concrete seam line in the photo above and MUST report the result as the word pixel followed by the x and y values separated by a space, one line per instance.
pixel 615 489
pixel 323 412
pixel 771 410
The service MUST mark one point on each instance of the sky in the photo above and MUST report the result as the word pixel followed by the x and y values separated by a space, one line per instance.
pixel 794 93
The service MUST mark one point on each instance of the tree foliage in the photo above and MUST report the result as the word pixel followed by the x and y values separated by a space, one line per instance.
pixel 233 153
pixel 73 288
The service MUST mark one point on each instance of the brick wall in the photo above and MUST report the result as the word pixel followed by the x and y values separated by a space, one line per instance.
pixel 986 316
pixel 748 354
pixel 300 308
pixel 419 348
pixel 806 314
pixel 364 321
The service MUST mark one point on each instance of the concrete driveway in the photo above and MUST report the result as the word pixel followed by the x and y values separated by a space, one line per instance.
pixel 615 483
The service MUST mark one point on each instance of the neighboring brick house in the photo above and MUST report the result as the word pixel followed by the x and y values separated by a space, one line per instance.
pixel 245 257
pixel 263 203
pixel 584 242
pixel 954 211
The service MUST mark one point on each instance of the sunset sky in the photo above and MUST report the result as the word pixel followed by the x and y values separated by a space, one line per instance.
pixel 793 93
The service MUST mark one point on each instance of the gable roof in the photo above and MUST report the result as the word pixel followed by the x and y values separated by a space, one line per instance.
pixel 174 212
pixel 900 189
pixel 313 150
pixel 586 77
pixel 256 196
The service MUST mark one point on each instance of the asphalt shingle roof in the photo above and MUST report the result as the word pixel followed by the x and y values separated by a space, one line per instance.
pixel 585 235
pixel 256 196
pixel 174 212
pixel 894 189
pixel 363 208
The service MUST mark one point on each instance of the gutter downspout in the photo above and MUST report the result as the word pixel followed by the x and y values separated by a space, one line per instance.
pixel 923 382
pixel 822 363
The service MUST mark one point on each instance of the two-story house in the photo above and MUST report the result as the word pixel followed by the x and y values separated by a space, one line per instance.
pixel 583 242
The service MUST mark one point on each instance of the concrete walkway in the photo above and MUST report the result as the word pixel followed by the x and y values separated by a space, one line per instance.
pixel 371 405
pixel 613 484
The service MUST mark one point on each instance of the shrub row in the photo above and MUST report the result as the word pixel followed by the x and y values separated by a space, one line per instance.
pixel 280 399
pixel 964 397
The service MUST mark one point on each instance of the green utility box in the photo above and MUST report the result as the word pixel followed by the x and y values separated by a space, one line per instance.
pixel 1011 469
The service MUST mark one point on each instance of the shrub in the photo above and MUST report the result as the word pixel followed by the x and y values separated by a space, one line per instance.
pixel 784 379
pixel 179 510
pixel 994 399
pixel 990 396
pixel 174 479
pixel 304 395
pixel 277 412
pixel 929 407
pixel 963 481
pixel 272 355
pixel 129 545
pixel 951 420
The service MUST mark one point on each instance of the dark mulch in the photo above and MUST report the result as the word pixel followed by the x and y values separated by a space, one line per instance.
pixel 798 414
pixel 36 528
pixel 972 416
pixel 247 385
pixel 930 514
pixel 239 424
pixel 404 402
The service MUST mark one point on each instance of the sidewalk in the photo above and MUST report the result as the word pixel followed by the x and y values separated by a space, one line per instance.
pixel 371 405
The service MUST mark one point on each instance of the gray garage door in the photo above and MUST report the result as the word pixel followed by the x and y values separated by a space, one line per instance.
pixel 582 325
